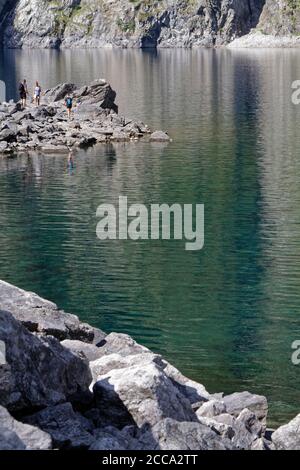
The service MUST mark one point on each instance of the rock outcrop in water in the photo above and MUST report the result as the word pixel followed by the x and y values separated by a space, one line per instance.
pixel 47 128
pixel 66 385
pixel 127 23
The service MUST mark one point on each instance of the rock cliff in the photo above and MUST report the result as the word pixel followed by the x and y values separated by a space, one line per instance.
pixel 126 23
pixel 278 26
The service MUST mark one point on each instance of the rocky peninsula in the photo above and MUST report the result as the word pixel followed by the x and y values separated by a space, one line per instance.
pixel 47 129
pixel 67 385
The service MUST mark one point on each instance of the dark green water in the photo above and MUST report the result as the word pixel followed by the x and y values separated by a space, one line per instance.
pixel 226 316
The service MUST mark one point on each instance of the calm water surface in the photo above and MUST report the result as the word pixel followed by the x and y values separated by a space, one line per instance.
pixel 226 316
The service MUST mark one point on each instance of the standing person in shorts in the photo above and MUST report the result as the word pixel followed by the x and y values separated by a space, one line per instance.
pixel 22 92
pixel 37 93
pixel 69 105
pixel 26 89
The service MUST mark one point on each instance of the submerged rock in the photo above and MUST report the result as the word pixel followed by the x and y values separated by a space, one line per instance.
pixel 159 136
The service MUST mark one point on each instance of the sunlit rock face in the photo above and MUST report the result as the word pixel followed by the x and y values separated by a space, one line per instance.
pixel 128 23
pixel 280 18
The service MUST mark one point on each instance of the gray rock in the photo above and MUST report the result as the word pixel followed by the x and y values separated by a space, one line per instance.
pixel 211 409
pixel 110 438
pixel 107 363
pixel 3 146
pixel 159 136
pixel 18 436
pixel 59 92
pixel 42 316
pixel 98 92
pixel 39 371
pixel 169 434
pixel 67 429
pixel 83 350
pixel 237 402
pixel 195 392
pixel 118 343
pixel 140 393
pixel 8 135
pixel 222 429
pixel 248 429
pixel 288 437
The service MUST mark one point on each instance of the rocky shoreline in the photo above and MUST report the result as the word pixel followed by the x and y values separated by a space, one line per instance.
pixel 47 129
pixel 258 40
pixel 67 385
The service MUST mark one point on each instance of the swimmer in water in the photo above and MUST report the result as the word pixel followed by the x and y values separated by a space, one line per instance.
pixel 71 160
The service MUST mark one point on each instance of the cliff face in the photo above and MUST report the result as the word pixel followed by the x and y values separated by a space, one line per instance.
pixel 278 26
pixel 128 23
pixel 280 18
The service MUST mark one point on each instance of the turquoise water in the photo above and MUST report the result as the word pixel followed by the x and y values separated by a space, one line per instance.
pixel 227 315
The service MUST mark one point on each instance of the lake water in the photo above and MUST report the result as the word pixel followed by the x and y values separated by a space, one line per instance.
pixel 227 315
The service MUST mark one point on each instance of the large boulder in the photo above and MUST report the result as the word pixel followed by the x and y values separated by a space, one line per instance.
pixel 124 346
pixel 110 438
pixel 170 434
pixel 118 343
pixel 83 350
pixel 195 392
pixel 98 93
pixel 38 370
pixel 40 315
pixel 141 393
pixel 18 436
pixel 8 135
pixel 59 92
pixel 244 432
pixel 237 402
pixel 68 429
pixel 288 437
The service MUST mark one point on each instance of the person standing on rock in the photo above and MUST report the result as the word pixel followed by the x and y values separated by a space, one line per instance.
pixel 26 89
pixel 37 93
pixel 69 105
pixel 22 91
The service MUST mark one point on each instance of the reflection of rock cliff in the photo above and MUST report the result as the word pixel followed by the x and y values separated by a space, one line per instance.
pixel 127 23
